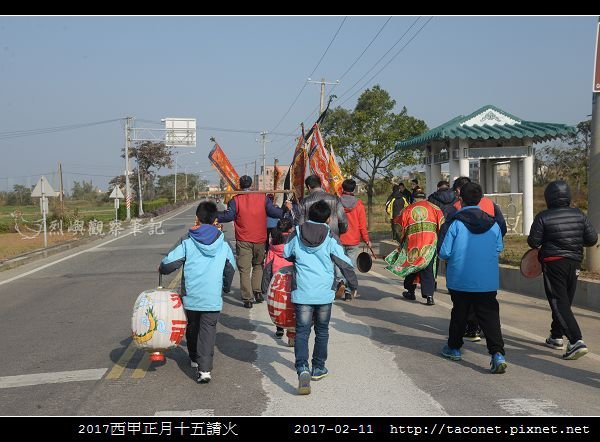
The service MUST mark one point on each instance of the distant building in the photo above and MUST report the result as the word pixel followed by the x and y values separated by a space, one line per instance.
pixel 265 182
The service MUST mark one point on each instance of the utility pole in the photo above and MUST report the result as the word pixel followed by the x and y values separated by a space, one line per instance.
pixel 62 201
pixel 263 134
pixel 140 208
pixel 175 191
pixel 128 122
pixel 255 177
pixel 593 253
pixel 322 99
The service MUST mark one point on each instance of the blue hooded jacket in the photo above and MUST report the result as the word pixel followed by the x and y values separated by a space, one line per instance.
pixel 314 252
pixel 471 247
pixel 204 255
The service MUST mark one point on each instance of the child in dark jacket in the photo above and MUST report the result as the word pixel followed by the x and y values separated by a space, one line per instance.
pixel 203 253
pixel 275 261
pixel 562 232
pixel 471 248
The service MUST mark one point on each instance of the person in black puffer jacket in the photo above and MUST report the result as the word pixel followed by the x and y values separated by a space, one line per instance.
pixel 561 232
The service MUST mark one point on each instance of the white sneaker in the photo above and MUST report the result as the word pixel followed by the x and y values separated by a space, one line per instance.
pixel 193 364
pixel 576 350
pixel 555 343
pixel 203 377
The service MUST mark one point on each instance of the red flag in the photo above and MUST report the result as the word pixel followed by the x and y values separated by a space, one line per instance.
pixel 298 168
pixel 220 162
pixel 335 173
pixel 318 158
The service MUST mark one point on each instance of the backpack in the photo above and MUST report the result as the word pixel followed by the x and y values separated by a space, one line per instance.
pixel 389 207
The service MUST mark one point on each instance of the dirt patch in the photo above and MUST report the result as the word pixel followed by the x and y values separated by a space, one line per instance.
pixel 13 244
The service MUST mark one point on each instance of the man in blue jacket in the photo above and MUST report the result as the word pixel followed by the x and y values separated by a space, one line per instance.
pixel 203 253
pixel 471 247
pixel 314 251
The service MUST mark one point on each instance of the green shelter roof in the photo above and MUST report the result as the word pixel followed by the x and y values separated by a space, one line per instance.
pixel 489 122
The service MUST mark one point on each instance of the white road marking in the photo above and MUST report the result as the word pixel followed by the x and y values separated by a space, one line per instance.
pixel 375 386
pixel 530 407
pixel 45 266
pixel 52 378
pixel 198 412
pixel 162 246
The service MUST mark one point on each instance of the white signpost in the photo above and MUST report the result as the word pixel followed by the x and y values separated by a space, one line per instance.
pixel 117 195
pixel 43 189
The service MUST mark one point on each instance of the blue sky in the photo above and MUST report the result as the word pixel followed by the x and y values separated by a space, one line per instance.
pixel 243 73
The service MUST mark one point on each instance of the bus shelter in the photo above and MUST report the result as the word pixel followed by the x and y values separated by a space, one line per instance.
pixel 477 145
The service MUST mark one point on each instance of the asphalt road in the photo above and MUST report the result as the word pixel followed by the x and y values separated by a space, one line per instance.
pixel 66 349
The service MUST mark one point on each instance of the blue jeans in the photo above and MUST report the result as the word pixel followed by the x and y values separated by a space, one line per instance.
pixel 305 314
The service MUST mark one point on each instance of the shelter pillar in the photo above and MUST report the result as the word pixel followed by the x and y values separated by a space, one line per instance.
pixel 453 166
pixel 463 162
pixel 436 171
pixel 489 176
pixel 482 174
pixel 528 189
pixel 514 175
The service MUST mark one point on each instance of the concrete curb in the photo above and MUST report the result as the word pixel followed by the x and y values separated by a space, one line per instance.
pixel 511 280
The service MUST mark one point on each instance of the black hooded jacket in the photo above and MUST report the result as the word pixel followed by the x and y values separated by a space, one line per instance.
pixel 561 230
pixel 444 199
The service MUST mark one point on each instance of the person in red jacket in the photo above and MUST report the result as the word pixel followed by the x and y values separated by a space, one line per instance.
pixel 275 261
pixel 249 211
pixel 357 227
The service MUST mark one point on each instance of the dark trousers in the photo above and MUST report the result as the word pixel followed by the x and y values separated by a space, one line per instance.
pixel 487 311
pixel 472 324
pixel 560 282
pixel 427 280
pixel 200 335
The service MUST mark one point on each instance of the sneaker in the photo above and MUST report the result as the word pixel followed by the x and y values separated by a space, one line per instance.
pixel 451 353
pixel 555 343
pixel 318 373
pixel 575 351
pixel 258 297
pixel 347 296
pixel 304 383
pixel 430 300
pixel 279 332
pixel 291 342
pixel 203 377
pixel 340 291
pixel 472 336
pixel 193 364
pixel 498 363
pixel 409 295
pixel 247 304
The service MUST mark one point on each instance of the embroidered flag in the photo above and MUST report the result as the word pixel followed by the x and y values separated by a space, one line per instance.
pixel 220 162
pixel 335 174
pixel 318 158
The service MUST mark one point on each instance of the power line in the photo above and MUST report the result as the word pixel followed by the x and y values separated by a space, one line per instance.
pixel 391 59
pixel 352 65
pixel 381 58
pixel 30 132
pixel 311 74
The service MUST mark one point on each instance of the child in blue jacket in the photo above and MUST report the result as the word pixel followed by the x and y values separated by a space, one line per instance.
pixel 314 252
pixel 203 253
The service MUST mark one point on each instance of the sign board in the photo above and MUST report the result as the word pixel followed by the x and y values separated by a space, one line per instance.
pixel 180 132
pixel 116 193
pixel 43 187
pixel 597 61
